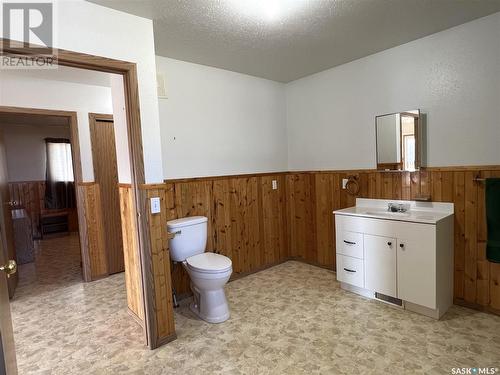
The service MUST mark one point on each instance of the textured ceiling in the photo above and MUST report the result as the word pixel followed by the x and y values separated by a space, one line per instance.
pixel 284 40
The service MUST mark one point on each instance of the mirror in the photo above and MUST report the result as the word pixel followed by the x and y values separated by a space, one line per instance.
pixel 398 142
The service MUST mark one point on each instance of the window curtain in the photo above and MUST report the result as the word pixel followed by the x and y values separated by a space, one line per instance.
pixel 59 184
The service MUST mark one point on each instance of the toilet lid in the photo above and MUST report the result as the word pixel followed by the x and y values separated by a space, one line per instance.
pixel 209 262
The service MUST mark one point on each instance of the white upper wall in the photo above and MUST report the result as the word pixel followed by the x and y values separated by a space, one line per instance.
pixel 20 89
pixel 452 76
pixel 25 149
pixel 216 122
pixel 96 30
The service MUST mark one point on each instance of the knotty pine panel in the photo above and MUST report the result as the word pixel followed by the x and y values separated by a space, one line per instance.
pixel 312 196
pixel 273 224
pixel 133 279
pixel 94 237
pixel 160 265
pixel 27 194
pixel 301 218
pixel 251 223
pixel 31 196
pixel 246 219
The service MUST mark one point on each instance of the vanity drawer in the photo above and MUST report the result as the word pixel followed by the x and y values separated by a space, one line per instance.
pixel 350 244
pixel 350 270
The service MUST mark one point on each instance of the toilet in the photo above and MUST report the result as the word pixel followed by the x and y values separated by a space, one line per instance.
pixel 209 272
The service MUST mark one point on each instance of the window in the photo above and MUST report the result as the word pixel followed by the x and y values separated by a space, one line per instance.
pixel 59 184
pixel 59 161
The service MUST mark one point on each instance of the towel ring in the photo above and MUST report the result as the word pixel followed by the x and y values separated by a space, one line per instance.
pixel 352 185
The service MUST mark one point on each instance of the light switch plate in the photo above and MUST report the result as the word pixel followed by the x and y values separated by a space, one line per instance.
pixel 344 183
pixel 155 205
pixel 275 184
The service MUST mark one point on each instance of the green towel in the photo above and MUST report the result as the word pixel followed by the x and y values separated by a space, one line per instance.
pixel 493 219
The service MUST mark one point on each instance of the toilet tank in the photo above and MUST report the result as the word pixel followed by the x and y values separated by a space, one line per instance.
pixel 190 238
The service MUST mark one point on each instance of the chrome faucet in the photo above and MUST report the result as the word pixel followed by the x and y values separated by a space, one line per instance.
pixel 397 207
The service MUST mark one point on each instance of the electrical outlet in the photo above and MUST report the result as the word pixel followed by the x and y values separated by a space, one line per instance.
pixel 275 185
pixel 155 205
pixel 344 183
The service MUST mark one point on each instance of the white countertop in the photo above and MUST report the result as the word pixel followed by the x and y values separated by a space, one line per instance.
pixel 419 212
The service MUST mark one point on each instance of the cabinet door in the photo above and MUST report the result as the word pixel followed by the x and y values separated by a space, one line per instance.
pixel 380 264
pixel 417 271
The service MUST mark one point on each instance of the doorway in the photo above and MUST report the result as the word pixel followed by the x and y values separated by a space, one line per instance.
pixel 56 267
pixel 151 283
pixel 38 192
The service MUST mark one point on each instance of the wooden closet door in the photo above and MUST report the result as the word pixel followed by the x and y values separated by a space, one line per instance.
pixel 106 175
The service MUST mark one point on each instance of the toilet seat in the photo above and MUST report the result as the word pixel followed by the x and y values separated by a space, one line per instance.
pixel 209 263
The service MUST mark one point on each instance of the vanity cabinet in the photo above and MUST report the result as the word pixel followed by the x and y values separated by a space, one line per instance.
pixel 380 261
pixel 417 269
pixel 409 261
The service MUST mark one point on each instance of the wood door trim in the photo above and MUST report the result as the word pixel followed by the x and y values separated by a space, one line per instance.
pixel 129 72
pixel 93 117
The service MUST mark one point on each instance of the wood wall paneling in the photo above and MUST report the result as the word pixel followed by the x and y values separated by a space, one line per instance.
pixel 257 227
pixel 27 194
pixel 131 252
pixel 459 232
pixel 31 196
pixel 160 268
pixel 94 238
pixel 273 223
pixel 301 218
pixel 246 219
pixel 476 281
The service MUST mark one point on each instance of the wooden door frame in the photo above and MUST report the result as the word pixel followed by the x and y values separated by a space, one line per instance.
pixel 129 72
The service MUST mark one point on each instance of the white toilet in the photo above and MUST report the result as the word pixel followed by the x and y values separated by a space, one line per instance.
pixel 209 272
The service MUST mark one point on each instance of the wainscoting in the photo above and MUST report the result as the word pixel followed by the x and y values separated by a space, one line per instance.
pixel 89 196
pixel 246 219
pixel 247 222
pixel 30 195
pixel 131 252
pixel 258 227
pixel 312 196
pixel 158 269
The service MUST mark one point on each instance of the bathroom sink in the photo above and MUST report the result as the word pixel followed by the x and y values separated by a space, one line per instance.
pixel 388 213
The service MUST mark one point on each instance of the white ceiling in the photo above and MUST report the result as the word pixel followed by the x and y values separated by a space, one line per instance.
pixel 284 40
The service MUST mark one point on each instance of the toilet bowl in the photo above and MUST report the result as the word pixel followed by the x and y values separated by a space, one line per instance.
pixel 209 272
